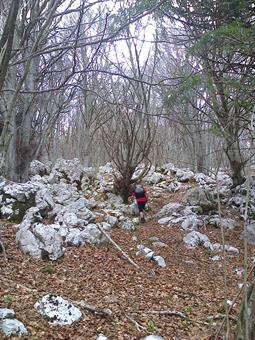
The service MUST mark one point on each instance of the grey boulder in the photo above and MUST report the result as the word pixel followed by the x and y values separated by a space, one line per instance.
pixel 38 168
pixel 195 238
pixel 6 313
pixel 200 197
pixel 169 209
pixel 184 175
pixel 191 223
pixel 38 240
pixel 13 327
pixel 9 325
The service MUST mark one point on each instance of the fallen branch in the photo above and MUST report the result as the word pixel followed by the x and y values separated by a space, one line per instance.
pixel 138 327
pixel 219 317
pixel 118 247
pixel 18 285
pixel 167 312
pixel 91 308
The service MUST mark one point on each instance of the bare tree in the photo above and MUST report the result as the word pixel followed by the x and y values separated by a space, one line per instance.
pixel 127 141
pixel 43 57
pixel 129 135
pixel 7 37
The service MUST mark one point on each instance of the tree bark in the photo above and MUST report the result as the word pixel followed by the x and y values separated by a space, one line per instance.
pixel 236 162
pixel 247 318
pixel 6 40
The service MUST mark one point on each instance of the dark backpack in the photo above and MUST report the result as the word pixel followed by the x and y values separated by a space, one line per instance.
pixel 139 191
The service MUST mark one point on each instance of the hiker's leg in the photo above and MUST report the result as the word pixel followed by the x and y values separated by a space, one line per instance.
pixel 142 217
pixel 141 211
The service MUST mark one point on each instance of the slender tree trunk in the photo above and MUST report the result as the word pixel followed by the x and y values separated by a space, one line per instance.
pixel 200 154
pixel 6 40
pixel 85 147
pixel 249 318
pixel 236 162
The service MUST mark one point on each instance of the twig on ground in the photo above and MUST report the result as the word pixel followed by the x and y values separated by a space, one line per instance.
pixel 17 285
pixel 91 308
pixel 137 325
pixel 167 312
pixel 118 247
pixel 220 316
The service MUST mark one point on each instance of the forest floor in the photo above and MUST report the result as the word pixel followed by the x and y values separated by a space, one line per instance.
pixel 192 283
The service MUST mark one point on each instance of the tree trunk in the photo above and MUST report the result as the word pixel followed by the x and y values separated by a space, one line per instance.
pixel 200 156
pixel 236 163
pixel 6 40
pixel 122 185
pixel 247 321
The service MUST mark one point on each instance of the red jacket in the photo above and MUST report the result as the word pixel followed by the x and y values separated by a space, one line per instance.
pixel 140 199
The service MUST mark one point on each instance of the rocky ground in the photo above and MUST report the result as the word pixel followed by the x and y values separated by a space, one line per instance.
pixel 184 300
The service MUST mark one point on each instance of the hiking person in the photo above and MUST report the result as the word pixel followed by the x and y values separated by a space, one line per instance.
pixel 141 197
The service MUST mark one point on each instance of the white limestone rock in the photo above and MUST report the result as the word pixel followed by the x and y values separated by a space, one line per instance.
pixel 22 192
pixel 38 168
pixel 168 169
pixel 160 261
pixel 13 327
pixel 216 258
pixel 128 225
pixel 6 313
pixel 101 337
pixel 237 201
pixel 200 197
pixel 154 178
pixel 112 220
pixel 192 223
pixel 174 186
pixel 39 240
pixel 75 213
pixel 184 175
pixel 227 223
pixel 228 248
pixel 203 179
pixel 195 238
pixel 32 216
pixel 224 179
pixel 70 170
pixel 169 209
pixel 91 234
pixel 44 200
pixel 57 310
pixel 164 220
pixel 145 251
pixel 150 255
